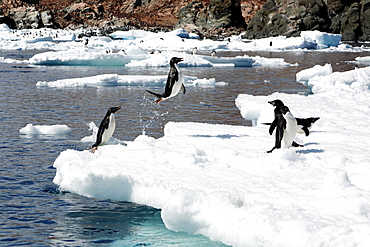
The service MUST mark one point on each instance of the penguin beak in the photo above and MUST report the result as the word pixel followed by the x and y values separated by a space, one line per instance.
pixel 116 108
pixel 181 59
pixel 272 103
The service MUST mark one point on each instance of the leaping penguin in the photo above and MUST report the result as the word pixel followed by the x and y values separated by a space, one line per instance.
pixel 174 82
pixel 285 124
pixel 106 128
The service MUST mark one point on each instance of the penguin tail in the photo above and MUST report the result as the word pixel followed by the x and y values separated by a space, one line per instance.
pixel 159 96
pixel 155 94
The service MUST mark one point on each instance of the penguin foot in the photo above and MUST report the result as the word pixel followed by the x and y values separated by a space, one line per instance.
pixel 158 100
pixel 294 144
pixel 94 149
pixel 271 150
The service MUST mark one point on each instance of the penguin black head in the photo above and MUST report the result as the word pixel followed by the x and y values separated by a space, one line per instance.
pixel 277 103
pixel 175 60
pixel 113 109
pixel 284 109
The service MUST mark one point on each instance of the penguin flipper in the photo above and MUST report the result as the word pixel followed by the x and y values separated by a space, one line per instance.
pixel 273 126
pixel 279 136
pixel 183 88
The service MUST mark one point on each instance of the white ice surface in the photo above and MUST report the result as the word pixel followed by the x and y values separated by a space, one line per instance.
pixel 317 70
pixel 127 80
pixel 218 180
pixel 57 129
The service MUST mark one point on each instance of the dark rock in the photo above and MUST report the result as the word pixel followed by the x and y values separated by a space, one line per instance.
pixel 351 18
pixel 288 18
pixel 365 20
pixel 217 16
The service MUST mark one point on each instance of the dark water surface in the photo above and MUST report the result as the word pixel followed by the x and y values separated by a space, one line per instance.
pixel 35 213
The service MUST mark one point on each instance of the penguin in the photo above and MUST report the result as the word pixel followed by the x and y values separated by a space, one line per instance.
pixel 213 53
pixel 86 43
pixel 285 124
pixel 106 128
pixel 155 52
pixel 305 124
pixel 174 82
pixel 194 51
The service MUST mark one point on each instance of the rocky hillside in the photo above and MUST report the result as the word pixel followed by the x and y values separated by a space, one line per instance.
pixel 217 15
pixel 351 18
pixel 210 18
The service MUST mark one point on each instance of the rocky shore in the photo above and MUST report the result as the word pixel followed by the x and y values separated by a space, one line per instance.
pixel 208 18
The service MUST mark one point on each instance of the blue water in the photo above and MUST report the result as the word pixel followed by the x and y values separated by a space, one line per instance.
pixel 35 213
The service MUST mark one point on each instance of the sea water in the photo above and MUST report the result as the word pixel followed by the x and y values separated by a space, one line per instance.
pixel 33 210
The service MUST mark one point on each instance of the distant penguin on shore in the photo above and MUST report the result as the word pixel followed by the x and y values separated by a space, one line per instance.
pixel 174 82
pixel 213 53
pixel 106 128
pixel 194 51
pixel 285 126
pixel 86 43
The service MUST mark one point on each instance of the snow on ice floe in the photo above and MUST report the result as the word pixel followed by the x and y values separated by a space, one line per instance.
pixel 317 70
pixel 176 40
pixel 81 57
pixel 135 56
pixel 126 80
pixel 322 79
pixel 58 129
pixel 218 180
pixel 365 60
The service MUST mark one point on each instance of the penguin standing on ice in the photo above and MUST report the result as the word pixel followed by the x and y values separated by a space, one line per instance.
pixel 174 82
pixel 106 128
pixel 285 125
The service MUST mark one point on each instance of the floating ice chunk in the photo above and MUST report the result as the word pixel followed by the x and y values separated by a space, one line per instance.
pixel 99 80
pixel 205 82
pixel 317 70
pixel 239 61
pixel 80 57
pixel 324 40
pixel 263 61
pixel 130 35
pixel 125 80
pixel 351 81
pixel 162 60
pixel 31 129
pixel 9 60
pixel 363 59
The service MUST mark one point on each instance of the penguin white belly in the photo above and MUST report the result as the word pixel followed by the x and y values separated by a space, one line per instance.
pixel 177 86
pixel 290 130
pixel 300 130
pixel 109 132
